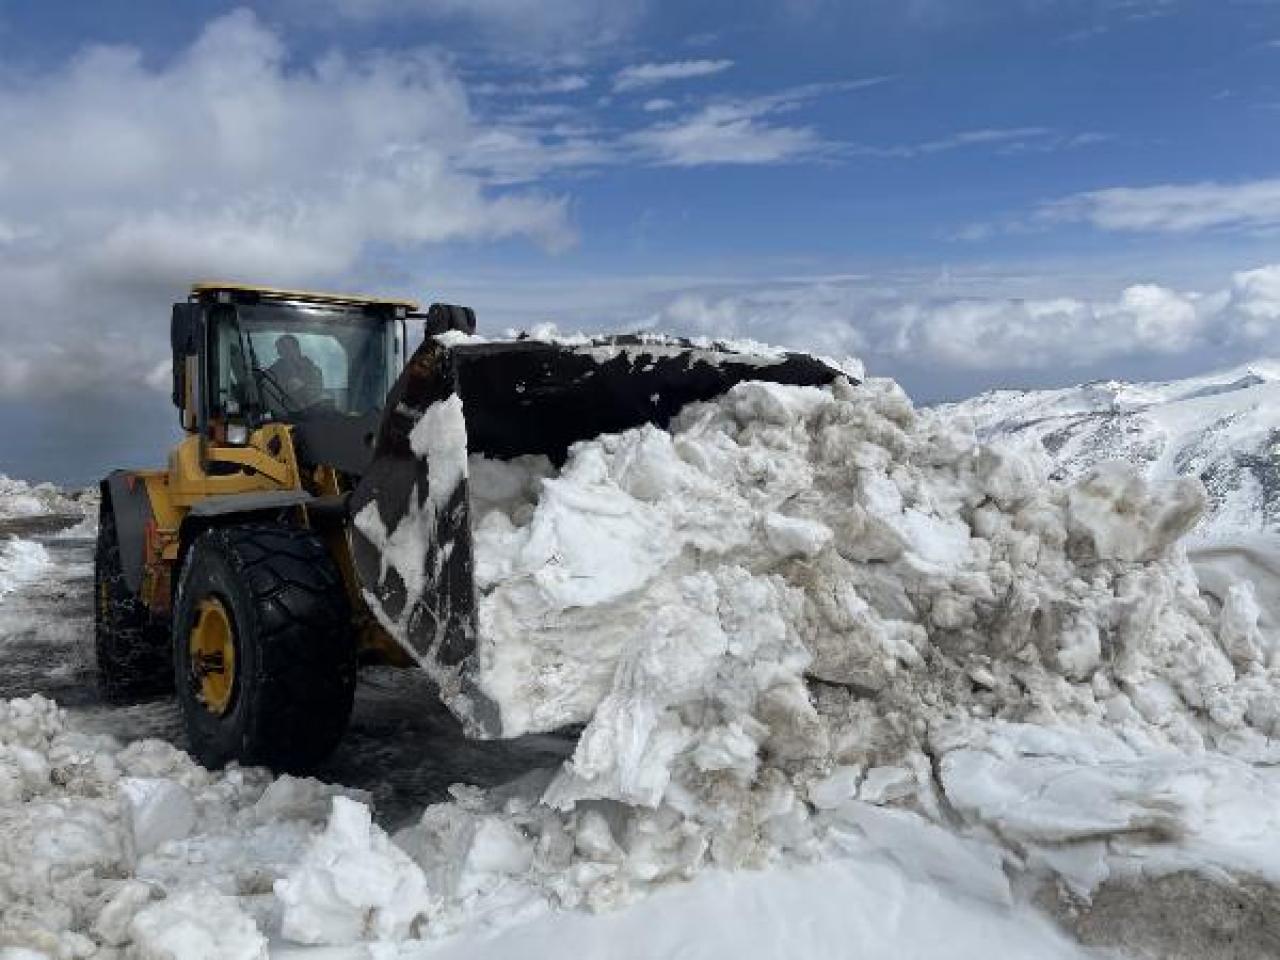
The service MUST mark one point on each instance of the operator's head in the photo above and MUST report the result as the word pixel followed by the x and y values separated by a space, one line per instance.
pixel 287 347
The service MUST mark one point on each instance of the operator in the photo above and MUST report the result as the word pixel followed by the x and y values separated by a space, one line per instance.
pixel 296 373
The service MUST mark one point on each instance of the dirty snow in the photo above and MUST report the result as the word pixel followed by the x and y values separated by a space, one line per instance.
pixel 813 633
pixel 1221 427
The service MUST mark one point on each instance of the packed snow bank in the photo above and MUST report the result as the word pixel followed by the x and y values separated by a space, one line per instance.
pixel 21 561
pixel 829 911
pixel 1087 806
pixel 764 616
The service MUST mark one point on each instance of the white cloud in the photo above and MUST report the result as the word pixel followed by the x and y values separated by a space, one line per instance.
pixel 1006 140
pixel 514 23
pixel 1173 208
pixel 742 131
pixel 972 138
pixel 890 326
pixel 725 133
pixel 658 104
pixel 1253 303
pixel 120 182
pixel 565 83
pixel 645 75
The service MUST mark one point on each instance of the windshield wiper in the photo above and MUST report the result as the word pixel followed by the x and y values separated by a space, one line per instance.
pixel 258 373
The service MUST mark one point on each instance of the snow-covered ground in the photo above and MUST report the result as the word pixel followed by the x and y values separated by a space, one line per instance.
pixel 850 685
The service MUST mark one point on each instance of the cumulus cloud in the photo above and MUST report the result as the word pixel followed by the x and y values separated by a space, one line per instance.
pixel 1253 304
pixel 121 181
pixel 645 75
pixel 988 333
pixel 1173 208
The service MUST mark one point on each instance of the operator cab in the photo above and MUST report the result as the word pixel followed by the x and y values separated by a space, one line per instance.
pixel 245 357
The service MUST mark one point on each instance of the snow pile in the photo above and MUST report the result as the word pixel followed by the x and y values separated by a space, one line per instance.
pixel 779 622
pixel 786 534
pixel 103 847
pixel 810 629
pixel 137 852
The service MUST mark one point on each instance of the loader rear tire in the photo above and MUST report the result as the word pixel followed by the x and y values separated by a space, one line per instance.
pixel 264 654
pixel 132 646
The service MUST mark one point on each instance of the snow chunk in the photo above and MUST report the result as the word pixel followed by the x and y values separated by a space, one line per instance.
pixel 155 812
pixel 440 438
pixel 353 884
pixel 1113 515
pixel 1158 811
pixel 840 786
pixel 196 925
pixel 792 537
pixel 301 798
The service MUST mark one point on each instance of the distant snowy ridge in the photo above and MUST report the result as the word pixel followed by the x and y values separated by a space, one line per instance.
pixel 1222 427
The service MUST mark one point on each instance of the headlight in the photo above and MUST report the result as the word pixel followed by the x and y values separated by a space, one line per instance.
pixel 237 434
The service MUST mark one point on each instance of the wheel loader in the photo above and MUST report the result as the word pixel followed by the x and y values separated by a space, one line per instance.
pixel 262 566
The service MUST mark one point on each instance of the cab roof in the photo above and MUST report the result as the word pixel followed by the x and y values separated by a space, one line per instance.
pixel 204 289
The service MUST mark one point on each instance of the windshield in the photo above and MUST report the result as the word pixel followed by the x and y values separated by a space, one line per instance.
pixel 289 362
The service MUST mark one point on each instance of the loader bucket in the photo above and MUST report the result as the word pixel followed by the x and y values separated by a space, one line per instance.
pixel 412 544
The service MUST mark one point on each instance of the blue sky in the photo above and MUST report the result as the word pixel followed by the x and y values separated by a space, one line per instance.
pixel 966 195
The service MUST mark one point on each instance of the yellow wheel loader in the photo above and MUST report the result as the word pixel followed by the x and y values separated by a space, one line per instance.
pixel 269 559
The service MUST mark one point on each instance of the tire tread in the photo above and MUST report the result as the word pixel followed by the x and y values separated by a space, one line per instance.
pixel 306 660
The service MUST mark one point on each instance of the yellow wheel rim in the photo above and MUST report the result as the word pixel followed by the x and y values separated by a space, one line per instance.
pixel 213 655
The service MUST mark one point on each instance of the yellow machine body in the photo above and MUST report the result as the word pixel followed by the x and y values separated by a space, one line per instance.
pixel 205 470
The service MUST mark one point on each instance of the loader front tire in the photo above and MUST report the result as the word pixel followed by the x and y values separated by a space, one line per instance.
pixel 265 661
pixel 131 645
